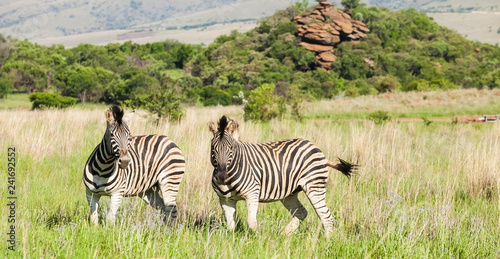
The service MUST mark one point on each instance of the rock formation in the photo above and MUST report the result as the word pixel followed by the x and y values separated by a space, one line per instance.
pixel 325 28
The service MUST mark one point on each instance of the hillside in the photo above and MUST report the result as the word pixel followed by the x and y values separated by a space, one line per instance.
pixel 476 25
pixel 400 51
pixel 102 21
pixel 439 5
pixel 38 19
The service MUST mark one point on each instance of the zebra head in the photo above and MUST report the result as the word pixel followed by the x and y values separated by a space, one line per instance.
pixel 222 146
pixel 117 134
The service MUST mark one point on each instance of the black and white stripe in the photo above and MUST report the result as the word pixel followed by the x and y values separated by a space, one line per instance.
pixel 266 172
pixel 121 165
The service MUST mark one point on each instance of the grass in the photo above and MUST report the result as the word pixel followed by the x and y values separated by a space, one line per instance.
pixel 439 104
pixel 15 101
pixel 421 191
pixel 20 101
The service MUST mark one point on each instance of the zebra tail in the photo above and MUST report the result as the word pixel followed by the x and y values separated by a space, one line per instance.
pixel 344 167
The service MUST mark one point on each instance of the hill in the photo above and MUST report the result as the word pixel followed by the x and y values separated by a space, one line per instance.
pixel 439 5
pixel 403 51
pixel 103 21
pixel 39 19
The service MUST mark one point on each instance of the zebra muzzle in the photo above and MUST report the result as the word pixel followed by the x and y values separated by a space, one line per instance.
pixel 221 174
pixel 123 162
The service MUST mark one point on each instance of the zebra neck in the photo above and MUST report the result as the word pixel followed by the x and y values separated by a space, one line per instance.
pixel 237 157
pixel 104 161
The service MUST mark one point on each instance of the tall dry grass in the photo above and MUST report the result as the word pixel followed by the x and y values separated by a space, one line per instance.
pixel 415 183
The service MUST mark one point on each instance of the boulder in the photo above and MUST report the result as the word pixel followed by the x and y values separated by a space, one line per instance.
pixel 318 17
pixel 325 65
pixel 316 47
pixel 346 27
pixel 327 56
pixel 324 28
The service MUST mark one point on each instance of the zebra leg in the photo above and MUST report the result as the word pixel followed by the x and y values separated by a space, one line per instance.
pixel 152 198
pixel 298 212
pixel 93 200
pixel 169 192
pixel 116 200
pixel 252 207
pixel 316 193
pixel 229 207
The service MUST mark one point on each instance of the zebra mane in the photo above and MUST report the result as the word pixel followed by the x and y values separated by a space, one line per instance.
pixel 223 124
pixel 117 114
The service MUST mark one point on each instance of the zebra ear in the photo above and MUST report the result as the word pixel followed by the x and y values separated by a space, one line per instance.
pixel 232 128
pixel 109 115
pixel 128 118
pixel 212 127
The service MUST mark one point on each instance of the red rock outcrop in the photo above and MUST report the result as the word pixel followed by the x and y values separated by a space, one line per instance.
pixel 324 28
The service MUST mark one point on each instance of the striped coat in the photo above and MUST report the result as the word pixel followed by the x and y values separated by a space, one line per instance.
pixel 121 165
pixel 266 172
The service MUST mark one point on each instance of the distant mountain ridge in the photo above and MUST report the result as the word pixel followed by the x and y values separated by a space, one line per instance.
pixel 49 18
pixel 439 5
pixel 101 21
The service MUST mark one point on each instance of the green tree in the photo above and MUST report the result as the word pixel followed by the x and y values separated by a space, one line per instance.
pixel 79 81
pixel 212 95
pixel 263 105
pixel 385 84
pixel 163 102
pixel 295 98
pixel 29 76
pixel 301 6
pixel 492 79
pixel 5 49
pixel 132 83
pixel 349 64
pixel 5 85
pixel 351 4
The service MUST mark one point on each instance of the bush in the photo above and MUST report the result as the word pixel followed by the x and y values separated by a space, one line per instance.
pixel 424 85
pixel 47 100
pixel 383 84
pixel 492 79
pixel 165 103
pixel 295 99
pixel 379 117
pixel 263 105
pixel 212 95
pixel 5 86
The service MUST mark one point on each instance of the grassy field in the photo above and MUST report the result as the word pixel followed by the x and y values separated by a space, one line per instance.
pixel 422 190
pixel 481 26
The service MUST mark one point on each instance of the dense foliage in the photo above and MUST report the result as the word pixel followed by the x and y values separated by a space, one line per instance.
pixel 405 51
pixel 263 105
pixel 48 100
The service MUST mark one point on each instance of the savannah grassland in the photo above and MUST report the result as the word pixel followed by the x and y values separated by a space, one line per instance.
pixel 423 190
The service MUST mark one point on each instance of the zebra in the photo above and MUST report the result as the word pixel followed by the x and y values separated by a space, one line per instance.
pixel 267 172
pixel 123 165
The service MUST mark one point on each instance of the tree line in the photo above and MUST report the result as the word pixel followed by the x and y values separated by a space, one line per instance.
pixel 405 51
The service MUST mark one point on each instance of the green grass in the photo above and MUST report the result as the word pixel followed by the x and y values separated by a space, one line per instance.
pixel 53 219
pixel 15 101
pixel 53 223
pixel 421 192
pixel 21 101
pixel 90 106
pixel 439 104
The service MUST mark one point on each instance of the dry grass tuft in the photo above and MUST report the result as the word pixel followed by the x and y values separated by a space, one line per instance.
pixel 415 183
